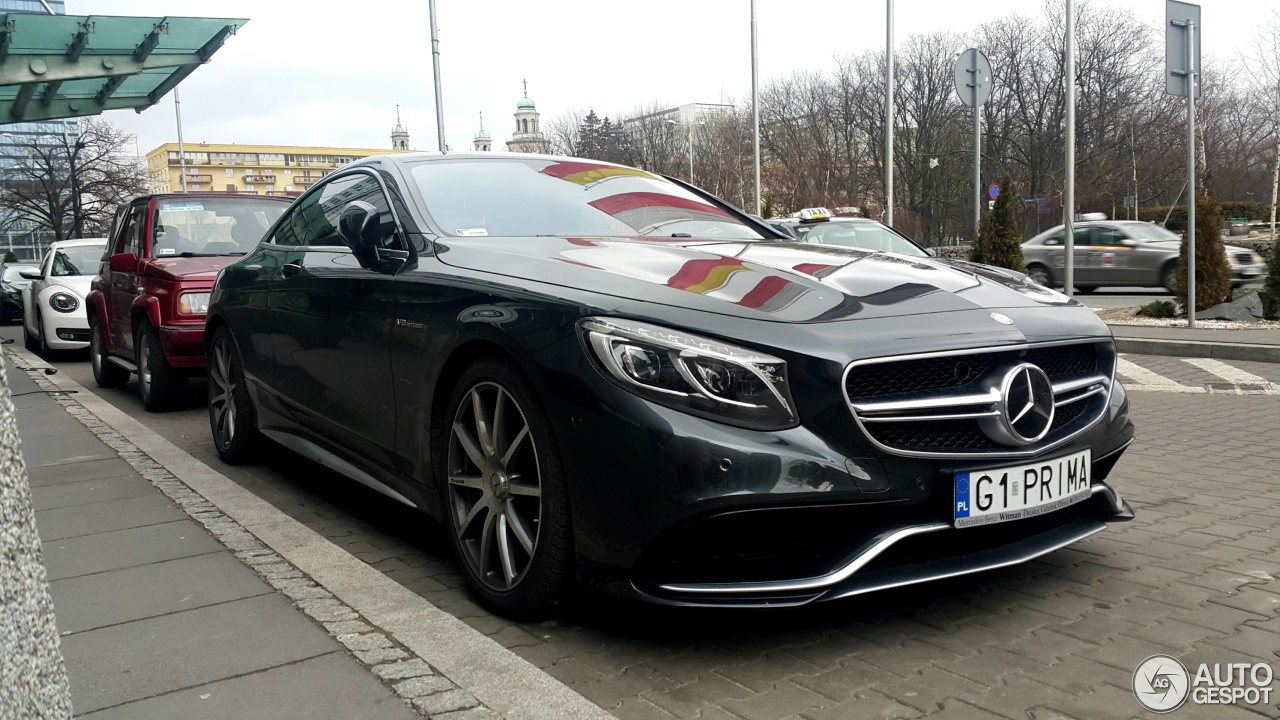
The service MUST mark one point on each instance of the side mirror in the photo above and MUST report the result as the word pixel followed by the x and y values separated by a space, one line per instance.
pixel 360 226
pixel 931 252
pixel 124 262
pixel 31 274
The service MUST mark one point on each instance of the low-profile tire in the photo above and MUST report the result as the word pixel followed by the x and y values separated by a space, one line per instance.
pixel 1041 275
pixel 43 349
pixel 232 418
pixel 29 340
pixel 159 385
pixel 105 373
pixel 505 497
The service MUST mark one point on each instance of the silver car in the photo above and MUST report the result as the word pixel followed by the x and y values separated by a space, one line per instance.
pixel 1123 253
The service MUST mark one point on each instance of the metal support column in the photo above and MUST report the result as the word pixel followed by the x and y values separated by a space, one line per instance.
pixel 755 105
pixel 888 114
pixel 182 149
pixel 435 62
pixel 1191 173
pixel 1069 180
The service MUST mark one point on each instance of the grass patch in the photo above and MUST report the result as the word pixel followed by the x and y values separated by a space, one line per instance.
pixel 1159 309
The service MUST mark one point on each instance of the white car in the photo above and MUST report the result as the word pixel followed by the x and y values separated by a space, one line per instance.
pixel 53 305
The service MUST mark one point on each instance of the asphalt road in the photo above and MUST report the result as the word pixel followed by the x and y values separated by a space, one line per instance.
pixel 1194 576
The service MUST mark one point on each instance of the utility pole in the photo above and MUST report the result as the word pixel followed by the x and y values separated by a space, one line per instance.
pixel 1182 77
pixel 755 105
pixel 888 114
pixel 1069 179
pixel 435 62
pixel 182 150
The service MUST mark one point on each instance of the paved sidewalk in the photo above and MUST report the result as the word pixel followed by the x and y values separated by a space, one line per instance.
pixel 1258 345
pixel 158 619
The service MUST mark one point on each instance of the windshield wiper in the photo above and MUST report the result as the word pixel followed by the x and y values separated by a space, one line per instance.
pixel 681 235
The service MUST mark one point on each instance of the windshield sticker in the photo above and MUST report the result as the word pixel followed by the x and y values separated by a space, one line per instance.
pixel 186 206
pixel 166 251
pixel 471 232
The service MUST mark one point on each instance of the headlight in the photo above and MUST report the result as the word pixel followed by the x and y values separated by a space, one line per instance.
pixel 193 303
pixel 62 302
pixel 694 374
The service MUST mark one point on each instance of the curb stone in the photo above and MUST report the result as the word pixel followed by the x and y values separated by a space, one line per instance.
pixel 1201 349
pixel 429 693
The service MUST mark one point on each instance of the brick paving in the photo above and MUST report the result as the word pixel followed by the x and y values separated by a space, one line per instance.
pixel 1194 576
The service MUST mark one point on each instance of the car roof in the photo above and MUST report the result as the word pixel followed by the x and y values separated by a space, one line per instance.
pixel 78 242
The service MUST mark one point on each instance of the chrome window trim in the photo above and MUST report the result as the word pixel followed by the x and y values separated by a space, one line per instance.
pixel 990 454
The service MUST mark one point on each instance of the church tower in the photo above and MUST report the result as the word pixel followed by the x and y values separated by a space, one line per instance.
pixel 528 137
pixel 399 136
pixel 482 142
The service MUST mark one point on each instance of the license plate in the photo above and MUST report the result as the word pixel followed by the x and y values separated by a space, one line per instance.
pixel 1021 491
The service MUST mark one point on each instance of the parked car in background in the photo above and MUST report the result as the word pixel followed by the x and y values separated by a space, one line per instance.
pixel 11 285
pixel 54 301
pixel 819 227
pixel 1122 253
pixel 589 372
pixel 146 309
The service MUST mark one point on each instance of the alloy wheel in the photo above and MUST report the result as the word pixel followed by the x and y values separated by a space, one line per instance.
pixel 495 489
pixel 222 398
pixel 95 350
pixel 144 363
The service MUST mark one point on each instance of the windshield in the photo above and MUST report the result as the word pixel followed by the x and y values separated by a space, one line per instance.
pixel 512 198
pixel 1147 232
pixel 862 235
pixel 77 260
pixel 212 226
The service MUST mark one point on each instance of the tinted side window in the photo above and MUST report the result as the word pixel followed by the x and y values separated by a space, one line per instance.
pixel 313 221
pixel 1111 237
pixel 1055 239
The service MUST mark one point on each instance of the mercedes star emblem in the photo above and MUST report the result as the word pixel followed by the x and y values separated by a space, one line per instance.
pixel 1025 407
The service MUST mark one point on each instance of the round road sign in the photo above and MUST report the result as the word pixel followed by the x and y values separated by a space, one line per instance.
pixel 993 192
pixel 973 77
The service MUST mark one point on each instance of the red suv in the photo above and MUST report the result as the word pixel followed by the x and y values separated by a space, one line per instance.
pixel 147 306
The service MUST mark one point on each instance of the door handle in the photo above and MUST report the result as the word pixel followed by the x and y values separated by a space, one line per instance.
pixel 289 270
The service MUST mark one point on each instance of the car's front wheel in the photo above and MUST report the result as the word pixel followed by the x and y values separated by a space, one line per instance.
pixel 159 384
pixel 505 497
pixel 43 350
pixel 1040 275
pixel 231 414
pixel 105 373
pixel 1169 277
pixel 28 340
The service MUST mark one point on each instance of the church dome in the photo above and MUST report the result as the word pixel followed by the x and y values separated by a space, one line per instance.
pixel 524 104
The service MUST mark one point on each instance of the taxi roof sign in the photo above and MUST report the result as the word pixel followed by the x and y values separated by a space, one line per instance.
pixel 813 214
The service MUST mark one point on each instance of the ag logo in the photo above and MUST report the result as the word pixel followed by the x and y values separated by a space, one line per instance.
pixel 1161 683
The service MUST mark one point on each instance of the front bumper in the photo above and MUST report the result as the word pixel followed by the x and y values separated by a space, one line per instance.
pixel 67 331
pixel 1244 274
pixel 183 346
pixel 674 509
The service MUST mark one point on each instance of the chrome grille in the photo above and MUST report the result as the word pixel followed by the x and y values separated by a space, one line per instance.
pixel 935 405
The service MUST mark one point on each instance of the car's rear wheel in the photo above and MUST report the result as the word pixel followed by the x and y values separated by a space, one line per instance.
pixel 105 373
pixel 505 497
pixel 1040 275
pixel 231 414
pixel 158 384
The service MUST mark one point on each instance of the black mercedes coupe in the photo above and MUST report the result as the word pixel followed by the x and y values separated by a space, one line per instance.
pixel 595 375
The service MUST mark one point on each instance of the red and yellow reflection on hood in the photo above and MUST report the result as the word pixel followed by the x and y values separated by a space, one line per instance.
pixel 582 173
pixel 703 276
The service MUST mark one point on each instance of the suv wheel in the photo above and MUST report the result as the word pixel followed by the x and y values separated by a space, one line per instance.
pixel 231 414
pixel 505 497
pixel 105 373
pixel 158 384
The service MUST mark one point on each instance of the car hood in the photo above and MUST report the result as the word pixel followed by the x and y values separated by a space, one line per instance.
pixel 78 284
pixel 188 268
pixel 778 281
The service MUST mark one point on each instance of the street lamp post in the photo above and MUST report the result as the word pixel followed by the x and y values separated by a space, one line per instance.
pixel 689 129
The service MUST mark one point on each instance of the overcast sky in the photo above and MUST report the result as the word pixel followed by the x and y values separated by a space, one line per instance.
pixel 318 72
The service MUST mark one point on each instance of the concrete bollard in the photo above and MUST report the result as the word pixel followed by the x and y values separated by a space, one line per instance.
pixel 33 677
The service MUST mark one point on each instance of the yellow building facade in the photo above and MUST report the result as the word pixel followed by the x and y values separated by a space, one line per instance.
pixel 250 169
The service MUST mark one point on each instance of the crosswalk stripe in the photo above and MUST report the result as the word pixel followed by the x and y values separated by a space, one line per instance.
pixel 1143 379
pixel 1227 372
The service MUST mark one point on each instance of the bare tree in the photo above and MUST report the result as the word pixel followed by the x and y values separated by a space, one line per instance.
pixel 71 185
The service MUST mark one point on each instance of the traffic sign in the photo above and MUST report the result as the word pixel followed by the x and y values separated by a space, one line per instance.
pixel 1181 54
pixel 973 77
pixel 993 192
